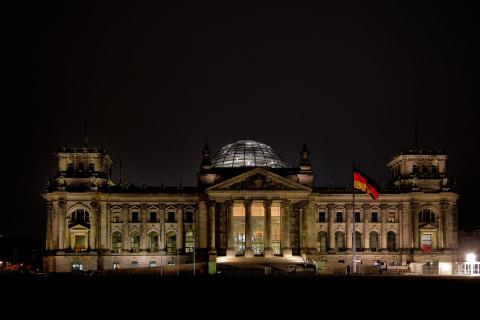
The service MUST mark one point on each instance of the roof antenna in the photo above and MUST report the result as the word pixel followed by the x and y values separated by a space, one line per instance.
pixel 85 135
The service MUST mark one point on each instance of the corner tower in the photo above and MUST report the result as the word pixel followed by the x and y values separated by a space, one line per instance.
pixel 419 170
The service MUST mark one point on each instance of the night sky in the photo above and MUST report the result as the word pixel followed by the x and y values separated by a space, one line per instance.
pixel 156 83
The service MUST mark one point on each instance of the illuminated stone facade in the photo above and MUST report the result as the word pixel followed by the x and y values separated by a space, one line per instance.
pixel 240 210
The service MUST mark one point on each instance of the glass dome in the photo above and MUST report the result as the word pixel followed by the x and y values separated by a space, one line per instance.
pixel 247 153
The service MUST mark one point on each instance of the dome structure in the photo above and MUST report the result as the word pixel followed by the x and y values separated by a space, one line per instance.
pixel 247 153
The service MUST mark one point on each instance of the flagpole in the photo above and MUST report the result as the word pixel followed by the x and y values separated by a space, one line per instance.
pixel 354 266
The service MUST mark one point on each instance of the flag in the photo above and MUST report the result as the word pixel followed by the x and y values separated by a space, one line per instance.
pixel 364 183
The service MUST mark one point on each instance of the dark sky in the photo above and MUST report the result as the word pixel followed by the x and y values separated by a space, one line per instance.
pixel 158 82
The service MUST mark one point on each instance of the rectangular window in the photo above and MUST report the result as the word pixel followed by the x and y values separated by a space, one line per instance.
pixel 189 217
pixel 152 264
pixel 339 217
pixel 134 216
pixel 134 264
pixel 116 265
pixel 321 216
pixel 357 216
pixel 153 217
pixel 374 217
pixel 171 216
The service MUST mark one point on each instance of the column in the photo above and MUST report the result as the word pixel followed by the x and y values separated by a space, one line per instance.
pixel 125 235
pixel 93 225
pixel 230 240
pixel 211 225
pixel 348 233
pixel 301 222
pixel 400 228
pixel 383 209
pixel 406 227
pixel 143 228
pixel 331 232
pixel 415 230
pixel 61 223
pixel 366 235
pixel 161 213
pixel 454 226
pixel 285 229
pixel 48 211
pixel 443 226
pixel 311 219
pixel 267 204
pixel 202 225
pixel 105 225
pixel 248 228
pixel 180 242
pixel 66 236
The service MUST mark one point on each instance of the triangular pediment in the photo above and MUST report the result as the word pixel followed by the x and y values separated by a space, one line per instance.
pixel 258 179
pixel 428 226
pixel 78 227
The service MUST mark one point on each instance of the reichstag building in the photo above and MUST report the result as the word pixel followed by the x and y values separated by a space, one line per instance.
pixel 248 206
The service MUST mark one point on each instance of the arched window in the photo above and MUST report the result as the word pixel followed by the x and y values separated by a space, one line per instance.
pixel 80 216
pixel 171 242
pixel 391 241
pixel 358 240
pixel 322 241
pixel 340 241
pixel 373 241
pixel 426 215
pixel 117 242
pixel 135 242
pixel 189 241
pixel 153 242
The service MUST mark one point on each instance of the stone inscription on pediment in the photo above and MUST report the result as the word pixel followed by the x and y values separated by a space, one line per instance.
pixel 258 182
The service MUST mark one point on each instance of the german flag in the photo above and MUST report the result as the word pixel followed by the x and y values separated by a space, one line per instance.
pixel 364 183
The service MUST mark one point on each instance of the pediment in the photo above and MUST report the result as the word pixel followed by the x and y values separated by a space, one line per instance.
pixel 428 226
pixel 258 179
pixel 78 227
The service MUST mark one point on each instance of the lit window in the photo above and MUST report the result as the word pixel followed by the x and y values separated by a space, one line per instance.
pixel 152 264
pixel 322 241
